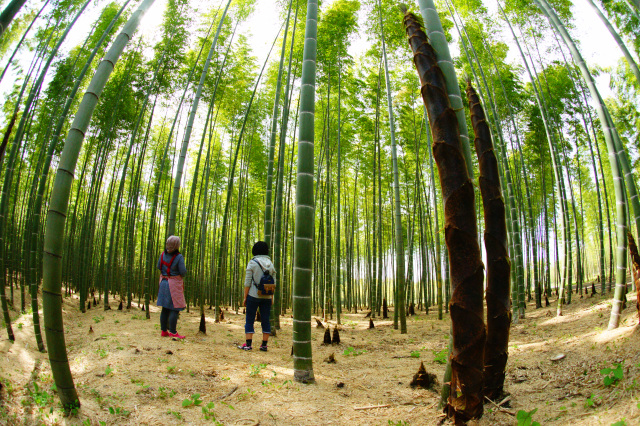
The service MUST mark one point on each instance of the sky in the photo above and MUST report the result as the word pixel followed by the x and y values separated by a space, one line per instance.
pixel 597 45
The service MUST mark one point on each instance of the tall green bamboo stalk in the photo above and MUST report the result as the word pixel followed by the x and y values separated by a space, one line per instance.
pixel 56 217
pixel 171 223
pixel 399 244
pixel 9 12
pixel 437 38
pixel 272 141
pixel 627 55
pixel 305 206
pixel 621 226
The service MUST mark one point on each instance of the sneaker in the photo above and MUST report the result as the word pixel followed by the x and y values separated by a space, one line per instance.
pixel 244 347
pixel 263 348
pixel 164 334
pixel 176 336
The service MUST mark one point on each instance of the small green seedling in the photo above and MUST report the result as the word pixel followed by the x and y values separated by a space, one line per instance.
pixel 622 422
pixel 40 397
pixel 592 401
pixel 353 352
pixel 525 418
pixel 612 375
pixel 256 369
pixel 175 414
pixel 440 357
pixel 165 393
pixel 245 395
pixel 415 354
pixel 108 370
pixel 209 414
pixel 119 411
pixel 194 400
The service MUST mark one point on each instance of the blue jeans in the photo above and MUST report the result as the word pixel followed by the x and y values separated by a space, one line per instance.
pixel 265 309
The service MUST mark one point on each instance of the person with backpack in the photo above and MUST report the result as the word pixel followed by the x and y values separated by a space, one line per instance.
pixel 259 286
pixel 171 287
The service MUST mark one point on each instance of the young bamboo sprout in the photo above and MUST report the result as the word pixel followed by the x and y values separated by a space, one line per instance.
pixel 466 268
pixel 635 260
pixel 495 241
pixel 327 337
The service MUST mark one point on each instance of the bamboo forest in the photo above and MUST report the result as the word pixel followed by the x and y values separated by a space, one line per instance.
pixel 429 209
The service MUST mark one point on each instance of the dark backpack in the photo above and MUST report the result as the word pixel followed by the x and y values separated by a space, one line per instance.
pixel 267 285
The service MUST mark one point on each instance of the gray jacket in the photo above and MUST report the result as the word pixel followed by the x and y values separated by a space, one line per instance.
pixel 254 274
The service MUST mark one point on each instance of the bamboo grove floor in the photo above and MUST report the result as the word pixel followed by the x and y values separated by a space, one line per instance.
pixel 126 374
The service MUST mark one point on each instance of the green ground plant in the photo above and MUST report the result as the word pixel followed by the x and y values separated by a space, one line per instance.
pixel 612 375
pixel 193 400
pixel 350 351
pixel 525 418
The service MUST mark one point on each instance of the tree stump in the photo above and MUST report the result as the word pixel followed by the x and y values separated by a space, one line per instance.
pixel 371 324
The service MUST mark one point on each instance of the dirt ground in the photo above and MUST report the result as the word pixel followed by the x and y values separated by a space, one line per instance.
pixel 126 374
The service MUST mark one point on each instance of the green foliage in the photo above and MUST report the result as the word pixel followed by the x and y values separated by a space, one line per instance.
pixel 39 396
pixel 108 370
pixel 246 394
pixel 612 375
pixel 525 418
pixel 415 354
pixel 209 414
pixel 164 393
pixel 398 423
pixel 194 400
pixel 102 352
pixel 622 422
pixel 119 411
pixel 440 357
pixel 256 369
pixel 175 414
pixel 350 351
pixel 591 401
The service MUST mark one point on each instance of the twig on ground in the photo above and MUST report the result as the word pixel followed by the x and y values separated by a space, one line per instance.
pixel 228 394
pixel 254 422
pixel 509 412
pixel 371 407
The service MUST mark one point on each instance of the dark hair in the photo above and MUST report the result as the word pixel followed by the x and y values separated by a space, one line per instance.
pixel 260 248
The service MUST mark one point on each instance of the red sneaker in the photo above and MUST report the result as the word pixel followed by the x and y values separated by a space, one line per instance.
pixel 164 334
pixel 176 336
